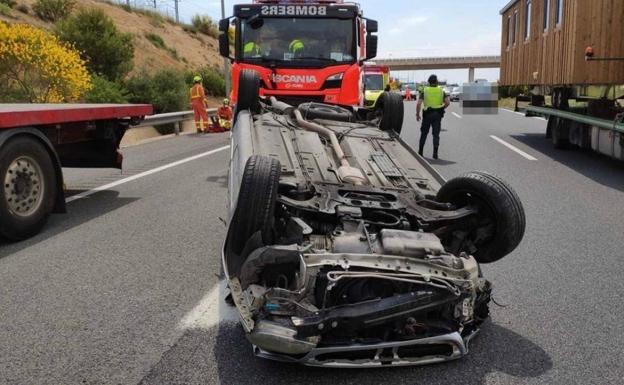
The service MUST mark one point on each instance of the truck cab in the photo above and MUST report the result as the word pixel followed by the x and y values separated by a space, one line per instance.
pixel 302 51
pixel 376 79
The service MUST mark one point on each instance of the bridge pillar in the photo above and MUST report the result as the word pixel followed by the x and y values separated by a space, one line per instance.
pixel 471 75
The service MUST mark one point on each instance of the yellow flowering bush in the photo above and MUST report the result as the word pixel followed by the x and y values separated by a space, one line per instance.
pixel 36 67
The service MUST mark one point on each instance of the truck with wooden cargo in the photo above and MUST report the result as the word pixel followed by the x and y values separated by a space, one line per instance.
pixel 570 55
pixel 38 140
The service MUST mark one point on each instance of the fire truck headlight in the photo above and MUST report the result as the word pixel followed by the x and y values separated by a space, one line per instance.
pixel 336 76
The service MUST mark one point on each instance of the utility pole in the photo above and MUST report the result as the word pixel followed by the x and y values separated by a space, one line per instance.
pixel 155 6
pixel 177 11
pixel 226 61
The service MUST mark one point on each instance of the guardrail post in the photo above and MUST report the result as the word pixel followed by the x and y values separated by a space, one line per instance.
pixel 177 128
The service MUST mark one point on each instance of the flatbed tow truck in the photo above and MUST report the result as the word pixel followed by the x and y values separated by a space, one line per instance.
pixel 37 140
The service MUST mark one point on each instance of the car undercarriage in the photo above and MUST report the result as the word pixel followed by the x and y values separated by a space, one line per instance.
pixel 347 249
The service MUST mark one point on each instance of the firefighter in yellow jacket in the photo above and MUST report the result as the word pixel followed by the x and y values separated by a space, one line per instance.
pixel 198 102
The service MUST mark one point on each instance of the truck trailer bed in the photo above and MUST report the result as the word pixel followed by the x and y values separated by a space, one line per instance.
pixel 26 115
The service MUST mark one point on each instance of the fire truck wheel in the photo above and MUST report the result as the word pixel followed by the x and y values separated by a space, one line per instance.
pixel 325 111
pixel 248 91
pixel 391 106
pixel 29 191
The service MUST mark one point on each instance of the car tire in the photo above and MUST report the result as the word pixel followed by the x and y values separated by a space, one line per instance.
pixel 560 134
pixel 325 111
pixel 391 108
pixel 256 201
pixel 28 188
pixel 248 91
pixel 499 208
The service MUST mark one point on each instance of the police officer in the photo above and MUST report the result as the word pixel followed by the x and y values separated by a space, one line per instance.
pixel 435 102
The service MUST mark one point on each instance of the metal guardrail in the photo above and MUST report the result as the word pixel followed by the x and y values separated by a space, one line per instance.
pixel 613 125
pixel 172 117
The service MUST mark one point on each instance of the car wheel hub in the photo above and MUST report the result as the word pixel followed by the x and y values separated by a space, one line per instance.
pixel 23 189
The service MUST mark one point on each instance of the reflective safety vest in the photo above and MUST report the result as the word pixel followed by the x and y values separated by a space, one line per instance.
pixel 197 92
pixel 296 46
pixel 433 97
pixel 251 48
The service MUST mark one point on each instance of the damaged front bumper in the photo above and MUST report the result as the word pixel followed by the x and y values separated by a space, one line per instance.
pixel 422 351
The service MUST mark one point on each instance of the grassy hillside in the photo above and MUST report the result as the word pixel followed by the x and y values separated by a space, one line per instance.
pixel 159 43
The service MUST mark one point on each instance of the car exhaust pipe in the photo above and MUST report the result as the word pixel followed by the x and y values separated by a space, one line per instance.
pixel 345 172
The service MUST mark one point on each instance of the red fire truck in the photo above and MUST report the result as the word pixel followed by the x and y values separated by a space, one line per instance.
pixel 37 140
pixel 303 51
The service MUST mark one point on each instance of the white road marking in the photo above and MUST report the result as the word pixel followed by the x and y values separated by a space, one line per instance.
pixel 210 311
pixel 513 148
pixel 143 174
pixel 458 116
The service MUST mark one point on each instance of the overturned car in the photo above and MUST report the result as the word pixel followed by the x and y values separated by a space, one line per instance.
pixel 347 249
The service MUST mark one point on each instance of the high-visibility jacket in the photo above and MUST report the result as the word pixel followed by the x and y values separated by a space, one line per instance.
pixel 295 46
pixel 433 97
pixel 197 93
pixel 225 112
pixel 251 48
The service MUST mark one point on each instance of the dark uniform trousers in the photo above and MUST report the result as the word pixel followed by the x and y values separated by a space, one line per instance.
pixel 431 118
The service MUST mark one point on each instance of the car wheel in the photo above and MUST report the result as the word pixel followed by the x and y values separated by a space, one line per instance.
pixel 256 201
pixel 500 222
pixel 325 111
pixel 248 91
pixel 29 188
pixel 391 107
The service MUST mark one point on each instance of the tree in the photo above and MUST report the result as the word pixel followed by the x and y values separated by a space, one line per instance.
pixel 107 51
pixel 36 67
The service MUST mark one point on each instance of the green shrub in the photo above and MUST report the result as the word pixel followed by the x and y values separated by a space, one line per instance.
pixel 53 10
pixel 166 90
pixel 105 91
pixel 156 40
pixel 205 25
pixel 9 3
pixel 108 52
pixel 5 10
pixel 189 28
pixel 125 7
pixel 23 8
pixel 212 80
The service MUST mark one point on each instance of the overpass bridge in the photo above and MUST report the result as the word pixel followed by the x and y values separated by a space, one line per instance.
pixel 430 63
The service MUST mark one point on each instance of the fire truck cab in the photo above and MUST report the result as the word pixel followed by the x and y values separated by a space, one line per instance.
pixel 303 51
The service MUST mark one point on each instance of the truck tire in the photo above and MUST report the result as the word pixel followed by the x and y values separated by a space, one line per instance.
pixel 325 111
pixel 29 188
pixel 248 91
pixel 500 212
pixel 552 120
pixel 256 201
pixel 391 107
pixel 560 133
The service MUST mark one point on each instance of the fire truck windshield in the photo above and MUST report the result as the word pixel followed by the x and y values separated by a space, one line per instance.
pixel 373 82
pixel 298 41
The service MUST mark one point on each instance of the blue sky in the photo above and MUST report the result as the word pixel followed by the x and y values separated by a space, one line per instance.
pixel 415 28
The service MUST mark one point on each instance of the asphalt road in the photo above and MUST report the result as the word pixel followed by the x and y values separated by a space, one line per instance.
pixel 124 289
